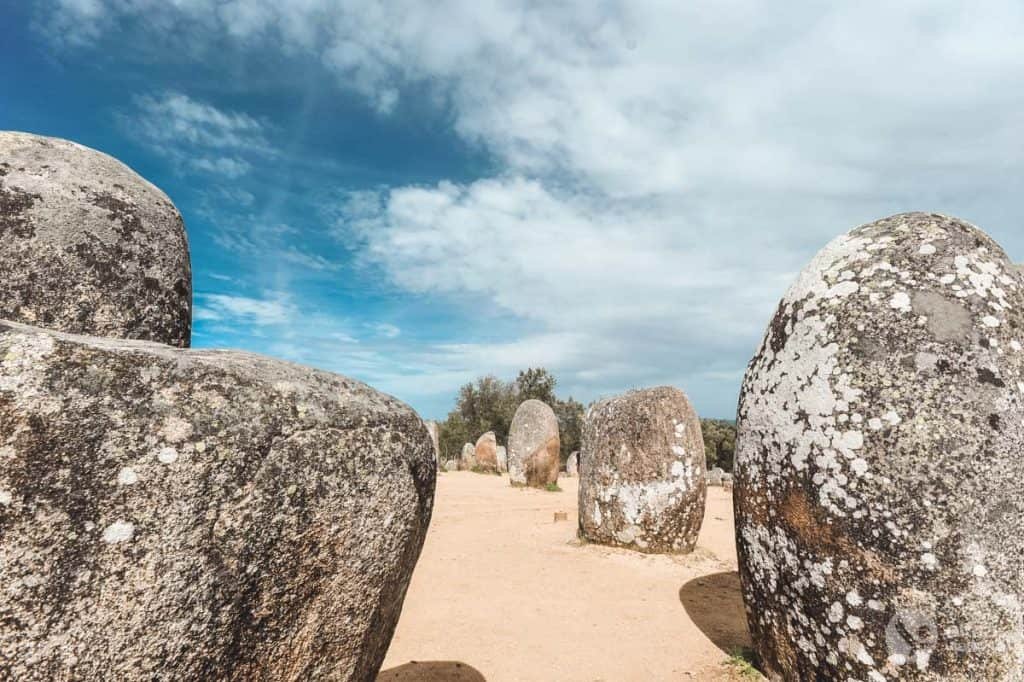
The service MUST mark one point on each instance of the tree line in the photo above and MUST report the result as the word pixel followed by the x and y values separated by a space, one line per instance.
pixel 489 403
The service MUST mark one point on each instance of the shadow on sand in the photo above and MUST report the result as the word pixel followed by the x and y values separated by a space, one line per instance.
pixel 432 671
pixel 715 605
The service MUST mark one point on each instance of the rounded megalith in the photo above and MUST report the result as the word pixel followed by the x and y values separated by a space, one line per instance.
pixel 533 445
pixel 467 461
pixel 877 493
pixel 572 465
pixel 451 465
pixel 486 452
pixel 715 476
pixel 88 246
pixel 192 515
pixel 642 484
pixel 501 453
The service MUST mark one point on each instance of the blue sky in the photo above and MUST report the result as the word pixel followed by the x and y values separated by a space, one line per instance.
pixel 415 194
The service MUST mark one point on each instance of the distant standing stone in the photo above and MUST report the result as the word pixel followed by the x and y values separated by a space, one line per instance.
pixel 434 432
pixel 468 459
pixel 486 452
pixel 533 446
pixel 502 455
pixel 88 246
pixel 643 484
pixel 451 465
pixel 170 514
pixel 572 464
pixel 879 517
pixel 715 476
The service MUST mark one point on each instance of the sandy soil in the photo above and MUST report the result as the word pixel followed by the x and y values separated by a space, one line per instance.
pixel 503 592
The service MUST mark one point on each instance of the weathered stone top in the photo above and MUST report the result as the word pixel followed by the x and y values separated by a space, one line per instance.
pixel 532 426
pixel 88 246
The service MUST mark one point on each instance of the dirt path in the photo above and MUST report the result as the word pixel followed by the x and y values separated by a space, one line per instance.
pixel 504 593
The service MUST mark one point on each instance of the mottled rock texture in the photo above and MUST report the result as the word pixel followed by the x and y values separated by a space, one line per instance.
pixel 87 246
pixel 468 459
pixel 879 515
pixel 486 452
pixel 572 465
pixel 533 444
pixel 642 484
pixel 502 455
pixel 197 515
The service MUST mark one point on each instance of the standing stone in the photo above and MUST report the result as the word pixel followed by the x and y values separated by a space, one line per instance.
pixel 572 464
pixel 502 455
pixel 879 518
pixel 434 432
pixel 643 484
pixel 195 515
pixel 451 465
pixel 715 476
pixel 486 452
pixel 468 459
pixel 87 246
pixel 533 446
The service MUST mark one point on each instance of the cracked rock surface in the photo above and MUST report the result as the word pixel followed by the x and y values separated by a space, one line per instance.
pixel 642 472
pixel 87 246
pixel 879 517
pixel 168 514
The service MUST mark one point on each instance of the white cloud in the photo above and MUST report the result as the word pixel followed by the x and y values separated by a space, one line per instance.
pixel 277 309
pixel 664 167
pixel 195 135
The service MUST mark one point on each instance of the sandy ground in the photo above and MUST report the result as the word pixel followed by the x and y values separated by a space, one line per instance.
pixel 503 592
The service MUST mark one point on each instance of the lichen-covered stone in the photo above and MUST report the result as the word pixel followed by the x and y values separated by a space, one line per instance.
pixel 467 461
pixel 502 455
pixel 879 515
pixel 485 452
pixel 572 465
pixel 642 476
pixel 199 515
pixel 87 246
pixel 533 445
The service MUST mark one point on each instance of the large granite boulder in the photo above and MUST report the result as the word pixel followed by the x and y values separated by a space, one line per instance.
pixel 879 518
pixel 196 515
pixel 533 446
pixel 486 452
pixel 643 483
pixel 467 461
pixel 501 453
pixel 572 465
pixel 87 246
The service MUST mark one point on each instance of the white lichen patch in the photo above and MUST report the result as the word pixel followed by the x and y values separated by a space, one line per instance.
pixel 167 455
pixel 118 531
pixel 127 476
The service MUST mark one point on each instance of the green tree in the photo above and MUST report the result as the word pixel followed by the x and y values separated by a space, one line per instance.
pixel 489 404
pixel 537 384
pixel 570 425
pixel 719 442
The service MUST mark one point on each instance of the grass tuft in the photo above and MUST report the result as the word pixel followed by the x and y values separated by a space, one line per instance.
pixel 552 488
pixel 743 661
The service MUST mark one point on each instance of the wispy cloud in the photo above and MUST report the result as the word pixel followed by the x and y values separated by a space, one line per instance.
pixel 195 135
